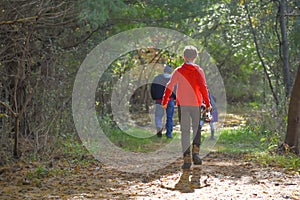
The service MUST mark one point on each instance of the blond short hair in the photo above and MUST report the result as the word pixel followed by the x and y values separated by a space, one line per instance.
pixel 190 53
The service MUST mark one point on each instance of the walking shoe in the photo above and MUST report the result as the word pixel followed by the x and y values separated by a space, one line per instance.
pixel 212 137
pixel 196 157
pixel 159 133
pixel 187 162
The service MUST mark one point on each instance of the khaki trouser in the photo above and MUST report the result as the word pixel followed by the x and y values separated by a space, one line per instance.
pixel 189 116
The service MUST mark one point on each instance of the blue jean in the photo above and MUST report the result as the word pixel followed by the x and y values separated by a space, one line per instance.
pixel 159 114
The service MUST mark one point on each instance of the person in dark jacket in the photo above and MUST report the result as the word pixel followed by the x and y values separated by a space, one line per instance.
pixel 157 91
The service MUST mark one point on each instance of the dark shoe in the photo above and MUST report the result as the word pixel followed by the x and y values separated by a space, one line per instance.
pixel 187 162
pixel 196 157
pixel 159 133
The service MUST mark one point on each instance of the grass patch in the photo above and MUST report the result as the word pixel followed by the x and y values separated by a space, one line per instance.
pixel 129 141
pixel 288 161
pixel 239 141
pixel 259 148
pixel 139 133
pixel 136 139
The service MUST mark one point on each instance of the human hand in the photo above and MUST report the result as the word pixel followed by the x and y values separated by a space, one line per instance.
pixel 164 106
pixel 208 109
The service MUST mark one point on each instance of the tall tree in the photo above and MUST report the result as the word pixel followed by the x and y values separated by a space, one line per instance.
pixel 285 47
pixel 292 138
pixel 29 37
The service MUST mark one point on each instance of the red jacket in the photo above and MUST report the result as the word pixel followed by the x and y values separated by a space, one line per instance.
pixel 191 86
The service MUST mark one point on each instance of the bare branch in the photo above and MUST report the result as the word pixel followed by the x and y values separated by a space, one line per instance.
pixel 22 20
pixel 292 14
pixel 8 108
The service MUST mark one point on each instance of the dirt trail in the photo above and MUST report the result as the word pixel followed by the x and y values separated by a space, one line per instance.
pixel 222 176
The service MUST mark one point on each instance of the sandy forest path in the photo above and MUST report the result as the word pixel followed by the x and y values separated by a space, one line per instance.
pixel 222 176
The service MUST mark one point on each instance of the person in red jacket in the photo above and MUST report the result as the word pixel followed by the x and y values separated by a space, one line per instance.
pixel 191 92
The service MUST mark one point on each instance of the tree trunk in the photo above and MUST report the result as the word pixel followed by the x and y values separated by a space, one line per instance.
pixel 285 49
pixel 293 128
pixel 16 144
pixel 260 56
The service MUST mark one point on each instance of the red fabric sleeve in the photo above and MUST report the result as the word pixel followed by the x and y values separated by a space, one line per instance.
pixel 203 88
